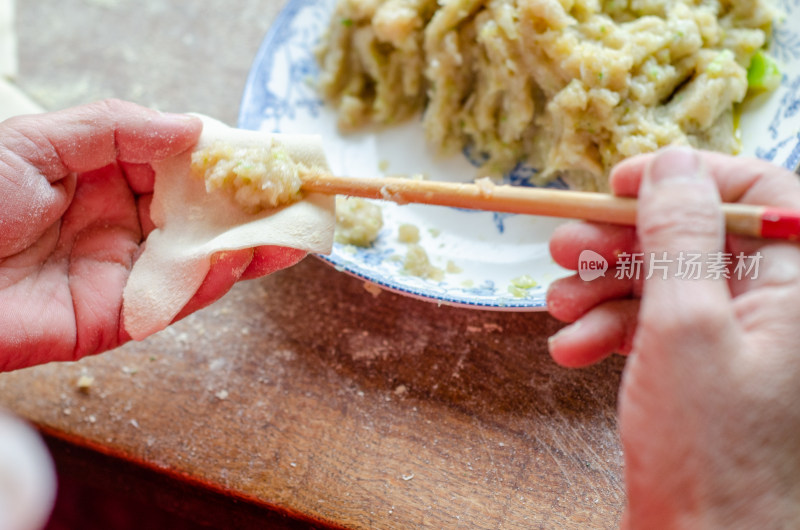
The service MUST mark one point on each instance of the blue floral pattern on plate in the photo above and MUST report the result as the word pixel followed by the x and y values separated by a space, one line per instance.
pixel 491 249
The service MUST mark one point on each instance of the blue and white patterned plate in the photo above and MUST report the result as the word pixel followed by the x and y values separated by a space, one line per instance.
pixel 491 250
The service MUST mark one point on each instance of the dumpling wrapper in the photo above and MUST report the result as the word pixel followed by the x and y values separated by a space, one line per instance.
pixel 193 224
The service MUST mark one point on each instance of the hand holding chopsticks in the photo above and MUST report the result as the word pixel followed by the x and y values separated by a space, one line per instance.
pixel 741 219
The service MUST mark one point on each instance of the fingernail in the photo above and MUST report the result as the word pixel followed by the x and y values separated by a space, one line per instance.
pixel 675 163
pixel 177 117
pixel 186 118
pixel 564 332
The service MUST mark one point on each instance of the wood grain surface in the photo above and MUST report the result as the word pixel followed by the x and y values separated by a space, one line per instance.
pixel 302 391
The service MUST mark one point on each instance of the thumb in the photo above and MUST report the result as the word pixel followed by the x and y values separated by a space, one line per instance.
pixel 681 230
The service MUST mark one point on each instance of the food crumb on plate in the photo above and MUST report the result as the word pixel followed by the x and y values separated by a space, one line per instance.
pixel 358 221
pixel 408 233
pixel 520 287
pixel 452 268
pixel 417 263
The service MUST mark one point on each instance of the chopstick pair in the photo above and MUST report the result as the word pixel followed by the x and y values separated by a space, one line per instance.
pixel 742 219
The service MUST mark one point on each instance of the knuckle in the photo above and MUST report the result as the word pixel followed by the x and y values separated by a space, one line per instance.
pixel 113 108
pixel 692 220
pixel 560 305
pixel 113 103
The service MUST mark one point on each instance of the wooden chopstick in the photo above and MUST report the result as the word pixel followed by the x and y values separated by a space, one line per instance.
pixel 742 219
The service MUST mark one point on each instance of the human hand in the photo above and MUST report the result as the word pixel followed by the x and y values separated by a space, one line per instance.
pixel 708 408
pixel 75 191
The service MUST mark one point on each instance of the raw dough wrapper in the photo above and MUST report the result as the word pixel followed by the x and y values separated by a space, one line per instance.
pixel 193 224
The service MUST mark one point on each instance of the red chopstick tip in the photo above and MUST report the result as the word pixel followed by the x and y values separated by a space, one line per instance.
pixel 779 223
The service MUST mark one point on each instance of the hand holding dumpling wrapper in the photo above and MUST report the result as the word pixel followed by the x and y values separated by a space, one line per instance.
pixel 193 224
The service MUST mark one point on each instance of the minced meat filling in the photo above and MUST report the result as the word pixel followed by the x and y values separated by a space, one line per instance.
pixel 568 85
